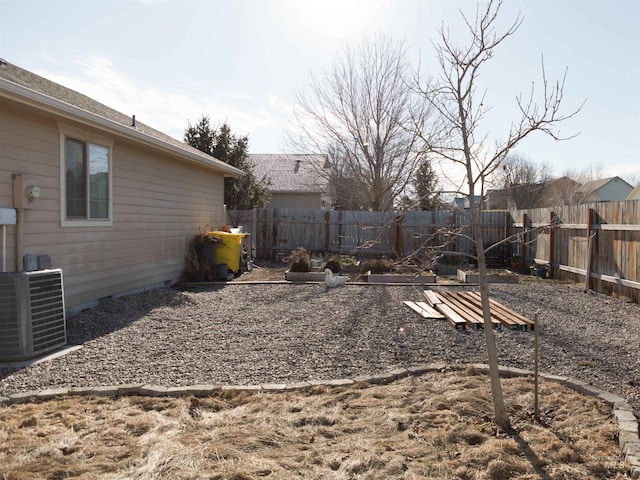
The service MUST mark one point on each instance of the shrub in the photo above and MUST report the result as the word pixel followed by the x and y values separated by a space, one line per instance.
pixel 334 264
pixel 300 260
pixel 376 266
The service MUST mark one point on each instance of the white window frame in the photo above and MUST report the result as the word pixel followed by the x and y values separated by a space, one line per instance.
pixel 87 136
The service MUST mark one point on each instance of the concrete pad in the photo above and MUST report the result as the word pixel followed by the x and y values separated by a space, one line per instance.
pixel 34 361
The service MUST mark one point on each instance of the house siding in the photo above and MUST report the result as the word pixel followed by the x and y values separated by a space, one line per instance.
pixel 635 193
pixel 615 190
pixel 159 203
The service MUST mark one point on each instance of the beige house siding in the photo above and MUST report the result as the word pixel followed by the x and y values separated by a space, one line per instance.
pixel 635 193
pixel 295 200
pixel 159 203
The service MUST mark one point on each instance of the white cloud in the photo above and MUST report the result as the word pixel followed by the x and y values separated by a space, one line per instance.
pixel 169 108
pixel 627 171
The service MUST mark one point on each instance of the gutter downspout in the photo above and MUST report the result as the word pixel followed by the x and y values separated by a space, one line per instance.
pixel 18 204
pixel 19 239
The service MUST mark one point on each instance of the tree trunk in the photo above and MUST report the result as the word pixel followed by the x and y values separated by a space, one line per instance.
pixel 501 416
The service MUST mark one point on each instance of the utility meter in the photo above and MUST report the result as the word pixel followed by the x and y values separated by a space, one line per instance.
pixel 33 192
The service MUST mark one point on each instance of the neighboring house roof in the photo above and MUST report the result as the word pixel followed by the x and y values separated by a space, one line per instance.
pixel 590 187
pixel 17 84
pixel 515 197
pixel 557 192
pixel 291 173
pixel 606 189
pixel 533 195
pixel 498 199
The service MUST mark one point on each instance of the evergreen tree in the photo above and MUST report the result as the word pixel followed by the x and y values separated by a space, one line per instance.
pixel 426 186
pixel 245 193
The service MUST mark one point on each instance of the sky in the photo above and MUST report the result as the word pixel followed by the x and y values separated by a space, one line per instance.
pixel 169 62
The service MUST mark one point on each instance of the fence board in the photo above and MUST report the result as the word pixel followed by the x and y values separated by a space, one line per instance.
pixel 280 230
pixel 615 262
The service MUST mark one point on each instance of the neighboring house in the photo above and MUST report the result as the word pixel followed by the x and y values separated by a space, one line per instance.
pixel 498 200
pixel 117 201
pixel 561 191
pixel 515 197
pixel 612 189
pixel 462 203
pixel 557 192
pixel 297 181
pixel 635 193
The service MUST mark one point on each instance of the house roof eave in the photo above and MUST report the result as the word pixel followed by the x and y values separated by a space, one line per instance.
pixel 40 101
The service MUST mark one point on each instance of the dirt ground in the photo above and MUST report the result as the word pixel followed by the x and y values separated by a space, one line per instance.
pixel 435 426
pixel 264 270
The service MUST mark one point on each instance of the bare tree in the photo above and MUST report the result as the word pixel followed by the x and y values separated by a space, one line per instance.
pixel 460 107
pixel 583 178
pixel 363 108
pixel 588 173
pixel 633 179
pixel 522 181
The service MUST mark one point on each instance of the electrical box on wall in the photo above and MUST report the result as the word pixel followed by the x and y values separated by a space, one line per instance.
pixel 7 216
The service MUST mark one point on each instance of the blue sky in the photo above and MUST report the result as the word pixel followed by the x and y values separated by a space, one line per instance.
pixel 170 62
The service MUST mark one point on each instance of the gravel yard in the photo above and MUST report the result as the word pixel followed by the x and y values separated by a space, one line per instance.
pixel 283 333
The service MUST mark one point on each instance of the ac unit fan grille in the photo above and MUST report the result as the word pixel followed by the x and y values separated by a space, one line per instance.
pixel 32 316
pixel 9 328
pixel 47 311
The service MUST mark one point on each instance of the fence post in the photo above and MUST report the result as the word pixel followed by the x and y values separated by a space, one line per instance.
pixel 327 216
pixel 340 218
pixel 507 228
pixel 264 235
pixel 524 240
pixel 254 233
pixel 587 280
pixel 452 223
pixel 399 242
pixel 552 220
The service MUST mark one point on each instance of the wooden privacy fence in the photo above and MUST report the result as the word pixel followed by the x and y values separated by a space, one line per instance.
pixel 596 244
pixel 280 230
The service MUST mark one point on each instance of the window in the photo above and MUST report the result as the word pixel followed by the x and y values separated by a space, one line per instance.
pixel 86 181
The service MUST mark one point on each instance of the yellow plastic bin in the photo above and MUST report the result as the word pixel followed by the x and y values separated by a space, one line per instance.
pixel 229 251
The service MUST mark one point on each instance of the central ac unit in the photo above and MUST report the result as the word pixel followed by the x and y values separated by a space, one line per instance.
pixel 32 316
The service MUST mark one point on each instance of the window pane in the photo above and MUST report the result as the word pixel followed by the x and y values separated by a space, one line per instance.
pixel 76 179
pixel 99 181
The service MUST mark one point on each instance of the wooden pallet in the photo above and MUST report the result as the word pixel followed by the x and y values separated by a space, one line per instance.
pixel 467 307
pixel 423 309
pixel 472 315
pixel 450 314
pixel 504 314
pixel 436 302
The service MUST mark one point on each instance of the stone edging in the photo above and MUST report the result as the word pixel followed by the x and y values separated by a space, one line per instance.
pixel 628 439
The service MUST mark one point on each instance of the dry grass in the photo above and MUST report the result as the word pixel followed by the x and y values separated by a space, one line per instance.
pixel 434 426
